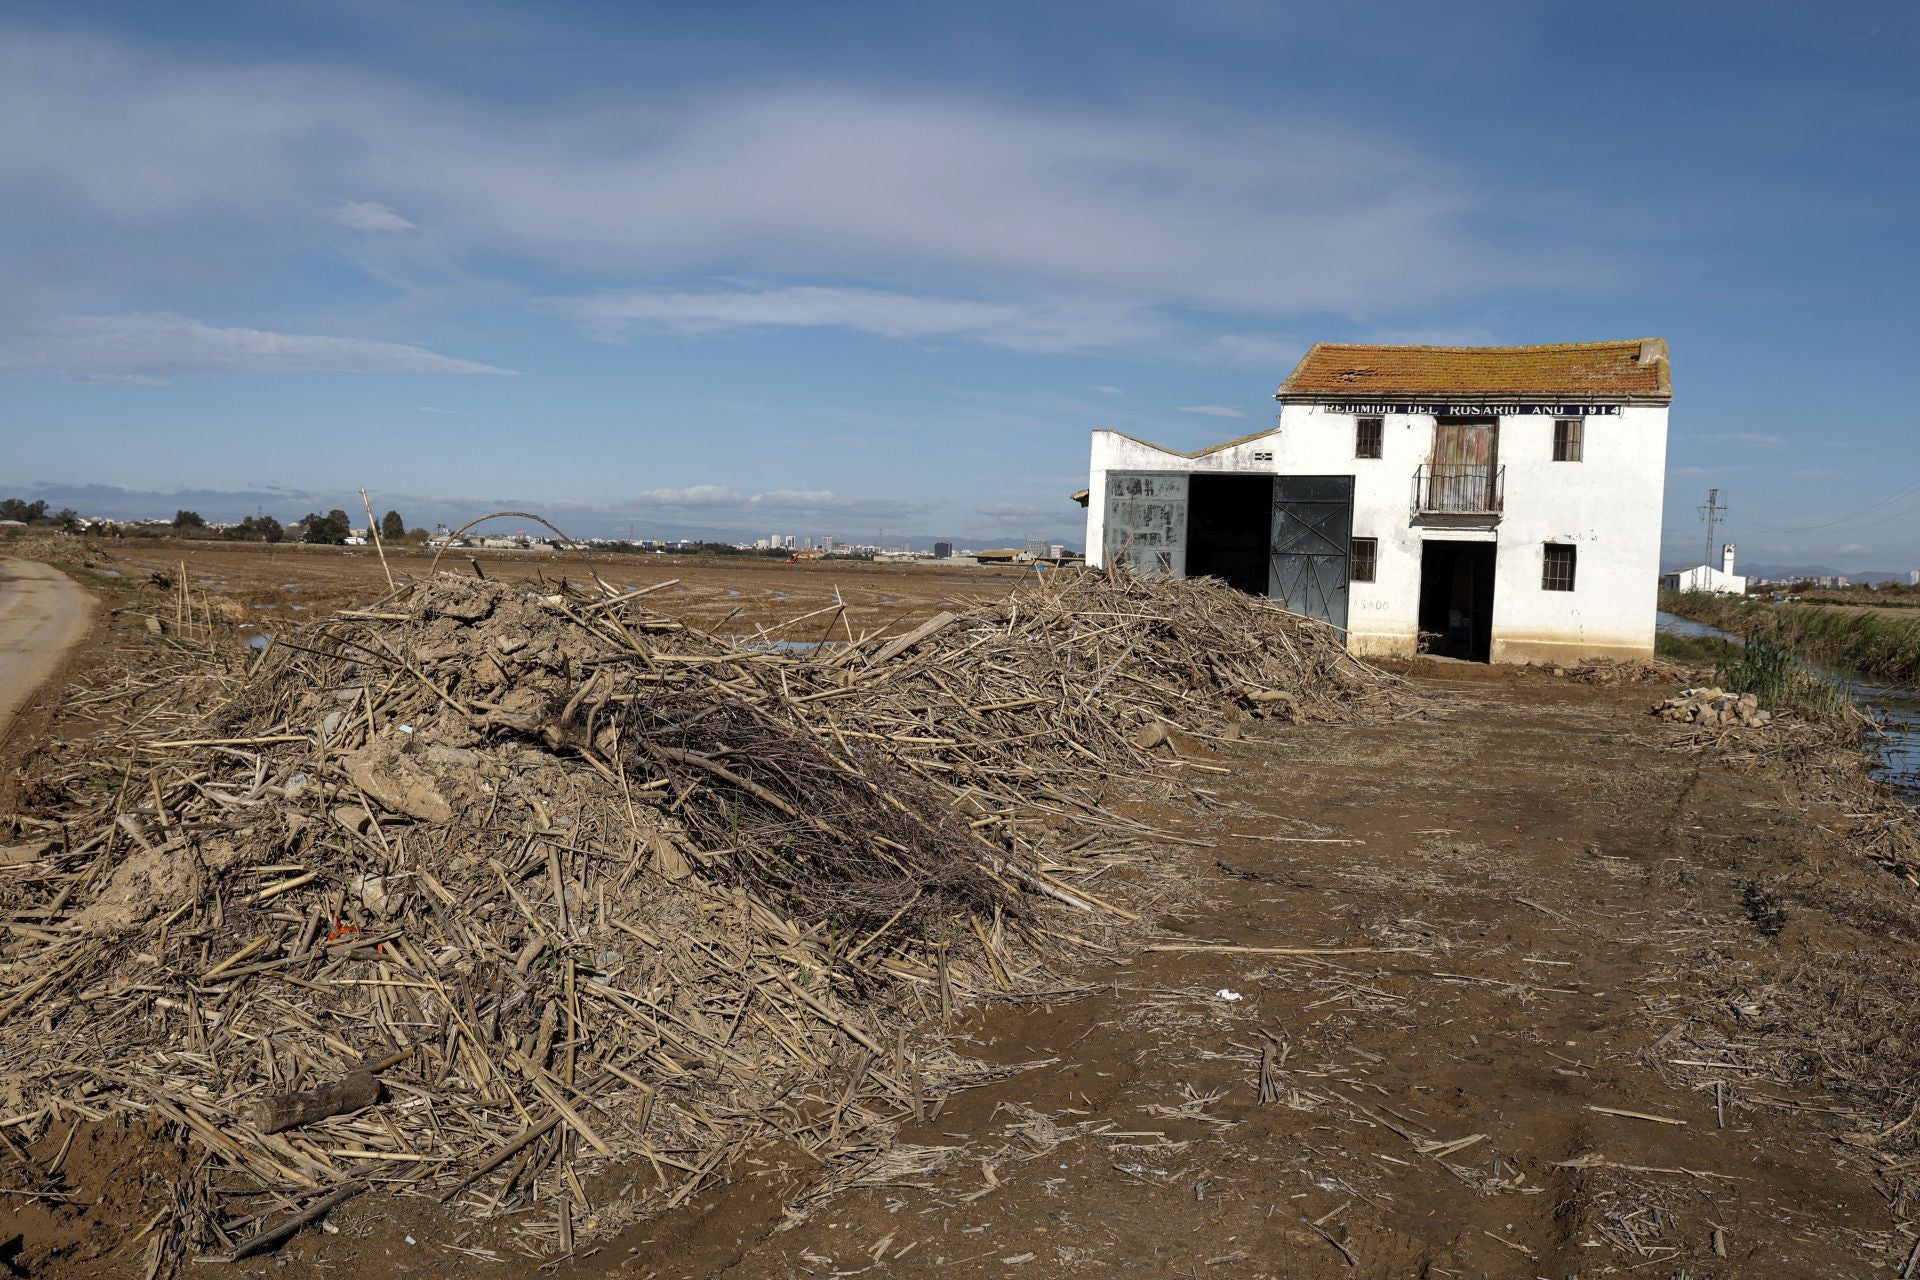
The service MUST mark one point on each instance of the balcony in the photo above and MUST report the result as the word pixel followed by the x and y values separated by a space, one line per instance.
pixel 1464 489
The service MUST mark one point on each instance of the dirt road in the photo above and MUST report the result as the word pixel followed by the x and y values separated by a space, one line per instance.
pixel 1499 1080
pixel 42 616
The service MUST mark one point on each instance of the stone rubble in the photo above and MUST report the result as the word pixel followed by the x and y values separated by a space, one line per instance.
pixel 1714 708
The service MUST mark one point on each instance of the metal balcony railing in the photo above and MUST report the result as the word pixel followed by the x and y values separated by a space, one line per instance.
pixel 1465 489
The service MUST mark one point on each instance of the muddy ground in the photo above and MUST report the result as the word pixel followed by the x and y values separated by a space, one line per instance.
pixel 719 593
pixel 1558 1025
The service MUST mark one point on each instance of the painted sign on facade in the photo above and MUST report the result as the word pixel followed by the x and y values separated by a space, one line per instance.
pixel 1489 408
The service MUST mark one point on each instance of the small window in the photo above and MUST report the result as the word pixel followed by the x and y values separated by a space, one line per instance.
pixel 1557 573
pixel 1365 560
pixel 1566 438
pixel 1368 433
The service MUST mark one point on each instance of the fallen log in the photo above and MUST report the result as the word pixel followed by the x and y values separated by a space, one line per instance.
pixel 291 1110
pixel 353 1092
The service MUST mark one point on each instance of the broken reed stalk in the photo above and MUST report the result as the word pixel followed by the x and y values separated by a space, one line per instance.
pixel 373 531
pixel 624 890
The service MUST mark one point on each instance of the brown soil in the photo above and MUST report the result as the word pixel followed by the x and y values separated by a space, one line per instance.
pixel 752 590
pixel 1590 917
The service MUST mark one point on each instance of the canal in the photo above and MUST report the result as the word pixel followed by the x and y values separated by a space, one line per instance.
pixel 1895 748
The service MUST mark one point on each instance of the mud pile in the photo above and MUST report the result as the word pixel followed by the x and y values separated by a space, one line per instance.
pixel 588 903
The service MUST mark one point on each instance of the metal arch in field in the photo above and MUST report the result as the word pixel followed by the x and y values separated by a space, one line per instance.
pixel 524 515
pixel 1308 571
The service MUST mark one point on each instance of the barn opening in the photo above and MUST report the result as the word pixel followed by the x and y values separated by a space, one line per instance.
pixel 1229 528
pixel 1456 599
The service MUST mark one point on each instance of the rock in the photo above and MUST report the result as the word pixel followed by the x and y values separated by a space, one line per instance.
pixel 372 890
pixel 1713 708
pixel 398 786
pixel 353 818
pixel 473 608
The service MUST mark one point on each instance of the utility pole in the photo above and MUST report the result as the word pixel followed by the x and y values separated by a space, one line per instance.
pixel 1712 513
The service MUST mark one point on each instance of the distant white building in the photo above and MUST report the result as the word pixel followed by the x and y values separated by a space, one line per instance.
pixel 1704 577
pixel 1496 503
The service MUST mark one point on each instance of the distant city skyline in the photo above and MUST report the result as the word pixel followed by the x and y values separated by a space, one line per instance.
pixel 881 267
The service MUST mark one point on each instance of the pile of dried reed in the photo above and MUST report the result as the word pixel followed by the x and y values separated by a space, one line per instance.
pixel 552 904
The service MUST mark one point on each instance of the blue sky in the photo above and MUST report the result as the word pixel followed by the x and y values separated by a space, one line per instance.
pixel 847 269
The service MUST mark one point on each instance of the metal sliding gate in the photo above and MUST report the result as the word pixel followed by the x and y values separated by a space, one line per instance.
pixel 1146 522
pixel 1312 538
pixel 1146 529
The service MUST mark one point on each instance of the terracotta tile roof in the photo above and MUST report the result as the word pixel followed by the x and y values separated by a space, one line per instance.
pixel 1632 370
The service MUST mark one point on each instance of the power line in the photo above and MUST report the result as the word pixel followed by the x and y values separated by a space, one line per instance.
pixel 1910 489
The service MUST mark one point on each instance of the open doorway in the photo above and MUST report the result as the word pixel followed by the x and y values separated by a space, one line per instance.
pixel 1456 599
pixel 1229 527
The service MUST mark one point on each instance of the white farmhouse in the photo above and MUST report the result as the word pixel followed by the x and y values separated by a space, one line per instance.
pixel 1497 503
pixel 1704 577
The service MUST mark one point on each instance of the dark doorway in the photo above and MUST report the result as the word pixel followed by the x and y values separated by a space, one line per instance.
pixel 1228 525
pixel 1456 599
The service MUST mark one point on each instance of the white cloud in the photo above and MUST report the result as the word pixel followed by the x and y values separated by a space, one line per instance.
pixel 1045 326
pixel 722 504
pixel 801 499
pixel 1848 548
pixel 1023 515
pixel 1472 336
pixel 1687 473
pixel 1101 388
pixel 113 379
pixel 1268 351
pixel 364 215
pixel 1750 439
pixel 1230 212
pixel 1213 410
pixel 143 348
pixel 699 495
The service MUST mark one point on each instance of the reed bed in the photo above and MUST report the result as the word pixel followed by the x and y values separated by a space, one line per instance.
pixel 1875 645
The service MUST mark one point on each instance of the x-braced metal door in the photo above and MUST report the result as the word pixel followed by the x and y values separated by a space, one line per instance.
pixel 1312 536
pixel 1146 522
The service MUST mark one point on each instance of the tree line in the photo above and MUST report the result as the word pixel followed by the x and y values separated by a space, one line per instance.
pixel 36 513
pixel 333 528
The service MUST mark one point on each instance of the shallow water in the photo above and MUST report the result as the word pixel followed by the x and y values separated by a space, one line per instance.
pixel 1895 749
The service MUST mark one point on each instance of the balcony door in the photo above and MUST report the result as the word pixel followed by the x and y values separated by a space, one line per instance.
pixel 1466 458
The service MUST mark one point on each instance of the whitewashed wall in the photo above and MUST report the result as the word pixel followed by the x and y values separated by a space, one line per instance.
pixel 1608 505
